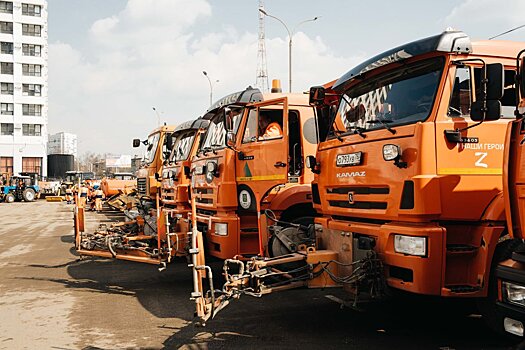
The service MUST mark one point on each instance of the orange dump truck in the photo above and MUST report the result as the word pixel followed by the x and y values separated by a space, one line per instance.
pixel 135 238
pixel 173 224
pixel 408 182
pixel 251 163
pixel 159 145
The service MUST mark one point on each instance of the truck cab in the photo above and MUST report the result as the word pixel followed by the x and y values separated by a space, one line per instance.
pixel 173 222
pixel 242 172
pixel 159 144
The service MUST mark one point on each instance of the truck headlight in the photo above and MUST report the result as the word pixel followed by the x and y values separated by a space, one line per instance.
pixel 513 326
pixel 221 229
pixel 514 293
pixel 391 152
pixel 410 245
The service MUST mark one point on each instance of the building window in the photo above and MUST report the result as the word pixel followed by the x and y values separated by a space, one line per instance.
pixel 6 108
pixel 6 27
pixel 32 165
pixel 6 68
pixel 6 48
pixel 31 50
pixel 31 129
pixel 31 29
pixel 6 7
pixel 7 129
pixel 34 70
pixel 6 88
pixel 31 10
pixel 35 110
pixel 31 90
pixel 6 166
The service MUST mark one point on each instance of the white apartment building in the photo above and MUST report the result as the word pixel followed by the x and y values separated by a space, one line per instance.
pixel 23 86
pixel 62 143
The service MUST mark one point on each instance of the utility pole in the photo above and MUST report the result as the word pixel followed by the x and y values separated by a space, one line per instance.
pixel 262 71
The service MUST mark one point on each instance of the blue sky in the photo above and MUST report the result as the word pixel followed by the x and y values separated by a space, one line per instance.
pixel 111 61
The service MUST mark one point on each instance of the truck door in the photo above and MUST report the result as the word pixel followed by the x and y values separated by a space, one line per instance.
pixel 262 162
pixel 478 156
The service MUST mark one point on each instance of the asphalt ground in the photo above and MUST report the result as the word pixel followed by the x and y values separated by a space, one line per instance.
pixel 49 299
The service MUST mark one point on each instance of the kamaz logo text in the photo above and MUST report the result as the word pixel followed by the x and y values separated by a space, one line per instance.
pixel 351 174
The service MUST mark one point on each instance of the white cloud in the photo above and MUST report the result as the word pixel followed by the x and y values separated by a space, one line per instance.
pixel 485 18
pixel 147 56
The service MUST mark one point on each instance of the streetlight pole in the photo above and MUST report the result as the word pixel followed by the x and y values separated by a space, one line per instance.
pixel 290 36
pixel 211 86
pixel 158 116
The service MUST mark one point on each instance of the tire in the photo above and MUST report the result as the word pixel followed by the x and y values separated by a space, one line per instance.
pixel 29 195
pixel 9 198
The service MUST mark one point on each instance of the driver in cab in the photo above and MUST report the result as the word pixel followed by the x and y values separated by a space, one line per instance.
pixel 269 129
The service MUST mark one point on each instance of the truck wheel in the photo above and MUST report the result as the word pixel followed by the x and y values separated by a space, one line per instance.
pixel 487 306
pixel 9 198
pixel 293 234
pixel 28 195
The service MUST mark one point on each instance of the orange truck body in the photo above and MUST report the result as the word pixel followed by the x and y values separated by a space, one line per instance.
pixel 436 213
pixel 173 224
pixel 410 181
pixel 116 184
pixel 233 185
pixel 147 183
pixel 90 244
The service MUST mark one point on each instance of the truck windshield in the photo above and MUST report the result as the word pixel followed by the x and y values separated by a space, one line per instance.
pixel 401 96
pixel 216 135
pixel 182 147
pixel 153 141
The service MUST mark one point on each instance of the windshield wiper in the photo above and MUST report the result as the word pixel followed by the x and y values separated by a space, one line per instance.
pixel 383 122
pixel 206 150
pixel 359 131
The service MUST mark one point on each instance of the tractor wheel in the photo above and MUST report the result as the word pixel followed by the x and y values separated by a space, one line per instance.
pixel 9 198
pixel 29 195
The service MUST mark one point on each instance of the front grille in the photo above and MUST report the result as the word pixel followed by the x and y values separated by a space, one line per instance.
pixel 168 194
pixel 356 197
pixel 359 190
pixel 203 195
pixel 358 205
pixel 206 212
pixel 142 185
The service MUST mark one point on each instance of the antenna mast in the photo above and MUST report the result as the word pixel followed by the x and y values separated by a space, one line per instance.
pixel 262 72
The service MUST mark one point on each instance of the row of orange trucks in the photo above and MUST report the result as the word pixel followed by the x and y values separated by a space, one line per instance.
pixel 406 173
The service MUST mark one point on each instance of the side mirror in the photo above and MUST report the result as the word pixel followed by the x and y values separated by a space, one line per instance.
pixel 492 112
pixel 495 83
pixel 317 95
pixel 311 163
pixel 228 120
pixel 230 138
pixel 136 143
pixel 169 141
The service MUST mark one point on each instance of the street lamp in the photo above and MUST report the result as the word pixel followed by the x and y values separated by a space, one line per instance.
pixel 211 85
pixel 290 35
pixel 158 116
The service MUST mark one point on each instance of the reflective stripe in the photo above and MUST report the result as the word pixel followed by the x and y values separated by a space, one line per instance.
pixel 470 171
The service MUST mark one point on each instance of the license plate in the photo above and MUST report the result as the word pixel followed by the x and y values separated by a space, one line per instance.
pixel 348 159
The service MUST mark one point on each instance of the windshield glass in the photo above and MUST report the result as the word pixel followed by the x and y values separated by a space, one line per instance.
pixel 153 141
pixel 216 135
pixel 402 96
pixel 182 147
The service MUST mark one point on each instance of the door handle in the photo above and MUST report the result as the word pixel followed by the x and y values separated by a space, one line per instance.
pixel 279 164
